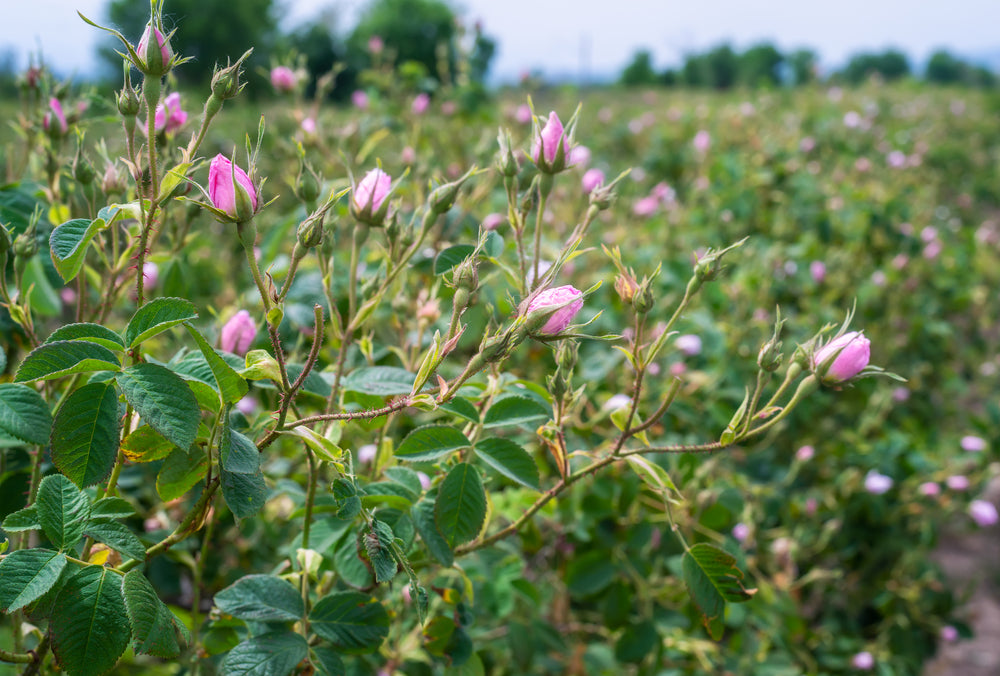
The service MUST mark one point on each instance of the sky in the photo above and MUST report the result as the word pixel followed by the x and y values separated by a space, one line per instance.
pixel 596 38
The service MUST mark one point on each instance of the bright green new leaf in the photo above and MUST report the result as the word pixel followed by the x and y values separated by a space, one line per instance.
pixel 712 578
pixel 91 333
pixel 85 434
pixel 68 244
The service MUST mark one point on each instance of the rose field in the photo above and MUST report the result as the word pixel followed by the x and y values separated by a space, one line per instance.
pixel 435 379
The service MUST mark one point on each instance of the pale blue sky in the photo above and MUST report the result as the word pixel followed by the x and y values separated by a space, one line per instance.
pixel 554 34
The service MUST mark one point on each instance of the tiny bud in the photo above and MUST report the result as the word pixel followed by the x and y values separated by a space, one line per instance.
pixel 307 185
pixel 466 276
pixel 310 231
pixel 155 55
pixel 842 358
pixel 643 299
pixel 129 103
pixel 26 244
pixel 626 286
pixel 443 198
pixel 83 170
pixel 506 162
pixel 112 182
pixel 567 354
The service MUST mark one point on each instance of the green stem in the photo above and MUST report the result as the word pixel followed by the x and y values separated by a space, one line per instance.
pixel 16 658
pixel 689 292
pixel 151 88
pixel 544 186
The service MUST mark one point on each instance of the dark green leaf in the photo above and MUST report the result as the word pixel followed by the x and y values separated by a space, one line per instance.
pixel 244 493
pixel 157 316
pixel 26 574
pixel 423 518
pixel 348 564
pixel 24 414
pixel 92 333
pixel 378 545
pixel 21 520
pixel 63 511
pixel 63 358
pixel 460 509
pixel 85 434
pixel 182 469
pixel 231 384
pixel 514 411
pixel 153 625
pixel 262 598
pixel 117 536
pixel 163 400
pixel 590 573
pixel 431 442
pixel 406 477
pixel 383 381
pixel 68 244
pixel 89 625
pixel 273 654
pixel 346 494
pixel 712 578
pixel 461 407
pixel 238 453
pixel 451 257
pixel 111 508
pixel 351 620
pixel 327 662
pixel 509 459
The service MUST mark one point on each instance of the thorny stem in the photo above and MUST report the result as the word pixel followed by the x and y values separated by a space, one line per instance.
pixel 151 92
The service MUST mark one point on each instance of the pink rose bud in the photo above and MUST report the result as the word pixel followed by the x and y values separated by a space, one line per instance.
pixel 156 59
pixel 702 140
pixel 372 191
pixel 983 513
pixel 689 344
pixel 248 405
pixel 863 660
pixel 949 634
pixel 843 358
pixel 876 483
pixel 493 221
pixel 578 156
pixel 741 532
pixel 309 126
pixel 805 453
pixel 54 117
pixel 231 189
pixel 420 103
pixel 647 206
pixel 549 148
pixel 238 333
pixel 957 482
pixel 818 271
pixel 973 444
pixel 929 488
pixel 359 99
pixel 283 79
pixel 591 180
pixel 523 114
pixel 559 305
pixel 151 272
pixel 367 453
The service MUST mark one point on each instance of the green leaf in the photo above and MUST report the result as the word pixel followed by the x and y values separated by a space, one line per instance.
pixel 652 475
pixel 68 244
pixel 154 630
pixel 26 574
pixel 460 509
pixel 245 494
pixel 85 434
pixel 145 444
pixel 346 495
pixel 461 407
pixel 163 400
pixel 91 333
pixel 117 536
pixel 423 518
pixel 349 565
pixel 63 358
pixel 232 386
pixel 514 411
pixel 378 545
pixel 172 178
pixel 320 445
pixel 157 316
pixel 351 620
pixel 383 381
pixel 182 469
pixel 451 257
pixel 261 598
pixel 24 414
pixel 431 442
pixel 41 296
pixel 590 573
pixel 89 625
pixel 238 453
pixel 272 654
pixel 327 662
pixel 509 459
pixel 22 520
pixel 111 508
pixel 712 578
pixel 63 511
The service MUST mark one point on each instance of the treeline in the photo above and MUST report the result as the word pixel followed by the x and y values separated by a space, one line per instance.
pixel 722 67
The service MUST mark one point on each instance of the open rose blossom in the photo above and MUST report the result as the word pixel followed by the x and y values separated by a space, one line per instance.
pixel 169 115
pixel 283 79
pixel 231 190
pixel 843 358
pixel 567 299
pixel 238 333
pixel 983 513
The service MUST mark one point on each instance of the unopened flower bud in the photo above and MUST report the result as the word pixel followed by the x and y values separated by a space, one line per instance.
pixel 129 103
pixel 310 231
pixel 54 121
pixel 506 162
pixel 443 197
pixel 567 354
pixel 369 201
pixel 283 79
pixel 550 147
pixel 112 182
pixel 626 286
pixel 231 190
pixel 769 357
pixel 307 185
pixel 238 333
pixel 553 309
pixel 83 170
pixel 226 81
pixel 154 55
pixel 466 276
pixel 842 358
pixel 26 244
pixel 643 300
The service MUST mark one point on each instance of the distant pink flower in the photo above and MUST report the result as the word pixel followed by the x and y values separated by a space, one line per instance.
pixel 863 661
pixel 591 179
pixel 225 181
pixel 741 532
pixel 367 453
pixel 408 155
pixel 900 394
pixel 843 358
pixel 360 99
pixel 677 369
pixel 983 513
pixel 957 482
pixel 579 156
pixel 933 250
pixel 929 488
pixel 309 125
pixel 949 634
pixel 852 119
pixel 689 344
pixel 702 141
pixel 876 483
pixel 973 444
pixel 879 278
pixel 805 453
pixel 376 44
pixel 448 108
pixel 55 113
pixel 863 164
pixel 248 405
pixel 420 103
pixel 151 272
pixel 425 482
pixel 817 269
pixel 493 221
pixel 238 333
pixel 896 159
pixel 647 206
pixel 663 192
pixel 283 79
pixel 68 295
pixel 807 144
pixel 523 114
pixel 617 401
pixel 568 300
pixel 372 191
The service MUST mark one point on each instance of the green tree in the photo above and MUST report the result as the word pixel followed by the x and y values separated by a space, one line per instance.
pixel 945 68
pixel 716 68
pixel 760 65
pixel 891 64
pixel 211 31
pixel 640 71
pixel 803 64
